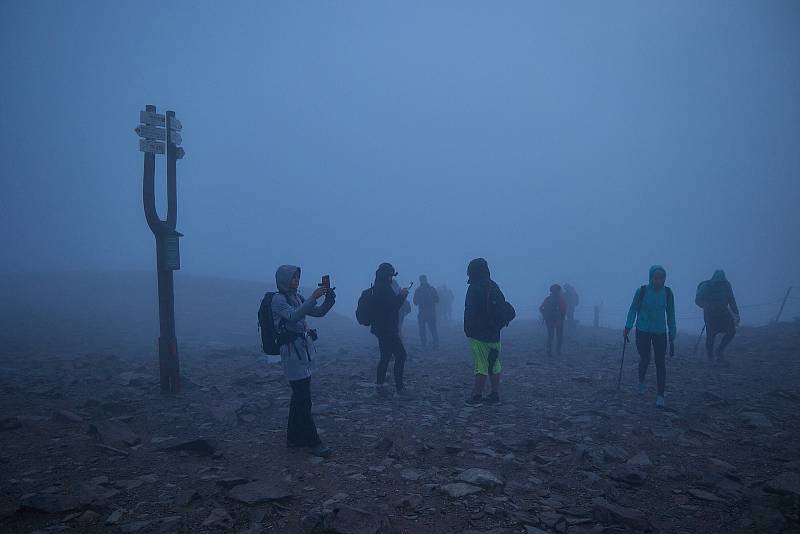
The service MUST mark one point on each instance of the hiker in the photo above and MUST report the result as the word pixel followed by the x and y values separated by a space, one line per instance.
pixel 289 311
pixel 720 313
pixel 486 312
pixel 445 307
pixel 405 309
pixel 553 310
pixel 572 300
pixel 653 309
pixel 384 314
pixel 426 299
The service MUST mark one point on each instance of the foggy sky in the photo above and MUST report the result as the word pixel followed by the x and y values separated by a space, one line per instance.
pixel 572 142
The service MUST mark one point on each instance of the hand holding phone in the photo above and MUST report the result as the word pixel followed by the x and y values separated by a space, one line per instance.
pixel 326 282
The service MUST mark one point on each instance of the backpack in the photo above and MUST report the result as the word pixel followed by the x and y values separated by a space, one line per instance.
pixel 272 338
pixel 500 311
pixel 643 290
pixel 364 308
pixel 552 309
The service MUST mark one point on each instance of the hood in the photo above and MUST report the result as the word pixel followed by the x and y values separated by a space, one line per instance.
pixel 423 280
pixel 477 270
pixel 653 271
pixel 283 277
pixel 718 276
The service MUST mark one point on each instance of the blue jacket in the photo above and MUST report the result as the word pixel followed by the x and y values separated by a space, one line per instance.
pixel 654 314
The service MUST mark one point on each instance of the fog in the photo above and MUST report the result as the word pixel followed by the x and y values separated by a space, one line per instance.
pixel 575 143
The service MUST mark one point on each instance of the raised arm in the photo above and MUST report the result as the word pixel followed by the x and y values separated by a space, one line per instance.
pixel 281 309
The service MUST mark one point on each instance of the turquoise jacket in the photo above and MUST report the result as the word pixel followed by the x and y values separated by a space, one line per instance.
pixel 653 316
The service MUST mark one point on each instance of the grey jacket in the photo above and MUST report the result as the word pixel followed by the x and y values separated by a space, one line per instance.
pixel 290 310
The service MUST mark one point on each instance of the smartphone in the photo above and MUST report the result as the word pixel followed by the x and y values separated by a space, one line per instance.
pixel 326 281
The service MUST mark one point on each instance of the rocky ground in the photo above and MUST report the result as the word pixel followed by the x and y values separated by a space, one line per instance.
pixel 87 443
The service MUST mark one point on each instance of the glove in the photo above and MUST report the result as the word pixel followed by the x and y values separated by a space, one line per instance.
pixel 625 335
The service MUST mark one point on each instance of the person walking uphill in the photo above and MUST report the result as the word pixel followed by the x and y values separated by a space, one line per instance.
pixel 720 312
pixel 289 311
pixel 486 312
pixel 384 324
pixel 653 310
pixel 554 310
pixel 426 299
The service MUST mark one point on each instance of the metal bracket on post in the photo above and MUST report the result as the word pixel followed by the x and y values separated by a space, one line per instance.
pixel 155 130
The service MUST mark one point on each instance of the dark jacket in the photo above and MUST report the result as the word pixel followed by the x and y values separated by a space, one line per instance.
pixel 478 324
pixel 426 298
pixel 385 308
pixel 715 296
pixel 553 309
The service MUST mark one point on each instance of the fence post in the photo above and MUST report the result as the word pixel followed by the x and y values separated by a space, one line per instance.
pixel 785 298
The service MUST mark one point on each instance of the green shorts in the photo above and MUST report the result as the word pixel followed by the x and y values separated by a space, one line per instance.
pixel 480 353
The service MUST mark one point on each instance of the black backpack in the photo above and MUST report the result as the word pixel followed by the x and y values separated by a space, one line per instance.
pixel 500 311
pixel 552 309
pixel 272 339
pixel 364 308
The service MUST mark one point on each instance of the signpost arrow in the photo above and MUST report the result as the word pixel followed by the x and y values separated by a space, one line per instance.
pixel 151 132
pixel 175 138
pixel 152 118
pixel 153 147
pixel 175 124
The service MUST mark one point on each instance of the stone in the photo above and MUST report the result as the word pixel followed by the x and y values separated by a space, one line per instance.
pixel 231 482
pixel 614 453
pixel 411 474
pixel 88 517
pixel 113 433
pixel 349 520
pixel 628 474
pixel 787 483
pixel 480 477
pixel 114 517
pixel 640 459
pixel 65 416
pixel 200 446
pixel 384 445
pixel 605 512
pixel 53 503
pixel 755 420
pixel 218 519
pixel 258 492
pixel 459 489
pixel 704 495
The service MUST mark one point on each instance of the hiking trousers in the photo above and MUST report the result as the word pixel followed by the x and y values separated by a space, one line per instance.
pixel 391 346
pixel 301 431
pixel 718 323
pixel 658 342
pixel 425 324
pixel 557 328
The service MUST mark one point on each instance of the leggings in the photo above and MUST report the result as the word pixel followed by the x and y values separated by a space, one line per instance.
pixel 556 327
pixel 391 346
pixel 644 340
pixel 301 430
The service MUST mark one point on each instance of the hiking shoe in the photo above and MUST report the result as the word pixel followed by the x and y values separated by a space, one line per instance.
pixel 403 394
pixel 493 398
pixel 641 387
pixel 321 450
pixel 475 401
pixel 660 401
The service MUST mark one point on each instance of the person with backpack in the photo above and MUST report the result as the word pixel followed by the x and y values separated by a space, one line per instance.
pixel 653 310
pixel 379 308
pixel 286 312
pixel 486 312
pixel 554 310
pixel 571 299
pixel 720 313
pixel 426 299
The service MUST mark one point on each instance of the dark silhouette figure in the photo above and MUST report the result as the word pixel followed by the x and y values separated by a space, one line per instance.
pixel 720 312
pixel 426 299
pixel 386 305
pixel 553 310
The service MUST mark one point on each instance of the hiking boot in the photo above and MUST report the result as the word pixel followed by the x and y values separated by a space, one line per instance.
pixel 641 387
pixel 660 401
pixel 493 399
pixel 475 401
pixel 403 394
pixel 321 450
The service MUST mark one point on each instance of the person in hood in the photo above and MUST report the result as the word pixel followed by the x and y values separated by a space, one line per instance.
pixel 720 312
pixel 486 312
pixel 385 325
pixel 426 299
pixel 289 311
pixel 653 310
pixel 554 310
pixel 571 299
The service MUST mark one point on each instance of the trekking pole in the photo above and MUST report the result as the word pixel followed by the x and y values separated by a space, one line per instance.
pixel 622 361
pixel 694 352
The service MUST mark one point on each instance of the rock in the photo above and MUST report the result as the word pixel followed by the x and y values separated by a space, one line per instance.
pixel 767 520
pixel 629 474
pixel 53 503
pixel 787 483
pixel 114 517
pixel 755 420
pixel 610 514
pixel 453 449
pixel 219 519
pixel 533 530
pixel 411 474
pixel 231 482
pixel 704 495
pixel 347 520
pixel 65 416
pixel 200 446
pixel 459 489
pixel 10 423
pixel 384 445
pixel 411 502
pixel 554 521
pixel 640 459
pixel 113 433
pixel 259 492
pixel 480 477
pixel 88 518
pixel 614 453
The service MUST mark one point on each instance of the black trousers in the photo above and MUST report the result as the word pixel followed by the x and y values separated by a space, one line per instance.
pixel 557 328
pixel 301 431
pixel 644 340
pixel 718 323
pixel 391 346
pixel 426 323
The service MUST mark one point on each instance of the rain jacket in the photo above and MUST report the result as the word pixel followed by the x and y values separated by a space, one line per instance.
pixel 289 310
pixel 715 296
pixel 553 309
pixel 653 314
pixel 477 322
pixel 426 298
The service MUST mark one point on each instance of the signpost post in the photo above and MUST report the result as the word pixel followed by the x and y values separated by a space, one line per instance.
pixel 159 136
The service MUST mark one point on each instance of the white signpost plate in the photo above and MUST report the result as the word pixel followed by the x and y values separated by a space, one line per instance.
pixel 152 147
pixel 175 124
pixel 151 132
pixel 175 138
pixel 153 119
